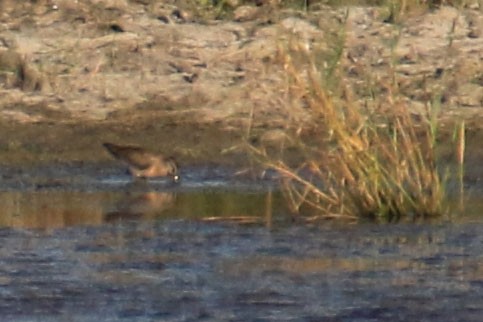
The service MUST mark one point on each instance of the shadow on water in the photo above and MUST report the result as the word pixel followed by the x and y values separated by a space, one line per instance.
pixel 56 209
pixel 41 202
pixel 217 249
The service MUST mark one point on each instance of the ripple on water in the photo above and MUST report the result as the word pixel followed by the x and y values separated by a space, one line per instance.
pixel 183 269
pixel 110 250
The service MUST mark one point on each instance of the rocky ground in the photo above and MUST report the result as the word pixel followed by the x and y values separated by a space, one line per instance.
pixel 76 73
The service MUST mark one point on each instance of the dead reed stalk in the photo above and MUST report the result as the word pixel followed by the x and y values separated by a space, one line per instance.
pixel 374 160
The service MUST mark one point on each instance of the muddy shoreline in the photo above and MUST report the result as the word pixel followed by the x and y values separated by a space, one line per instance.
pixel 27 147
pixel 41 143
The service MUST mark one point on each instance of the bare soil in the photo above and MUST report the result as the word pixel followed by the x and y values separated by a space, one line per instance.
pixel 74 74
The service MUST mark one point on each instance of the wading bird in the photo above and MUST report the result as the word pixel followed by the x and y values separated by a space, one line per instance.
pixel 144 164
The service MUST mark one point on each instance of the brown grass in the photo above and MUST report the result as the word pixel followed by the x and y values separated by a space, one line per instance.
pixel 374 160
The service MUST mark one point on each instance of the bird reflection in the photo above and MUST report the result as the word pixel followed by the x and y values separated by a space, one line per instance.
pixel 145 205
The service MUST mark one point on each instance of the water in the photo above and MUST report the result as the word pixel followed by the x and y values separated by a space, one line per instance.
pixel 97 248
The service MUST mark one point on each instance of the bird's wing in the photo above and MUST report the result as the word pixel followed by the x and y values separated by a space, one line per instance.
pixel 134 156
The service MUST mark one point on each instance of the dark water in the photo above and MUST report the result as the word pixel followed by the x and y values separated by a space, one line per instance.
pixel 216 249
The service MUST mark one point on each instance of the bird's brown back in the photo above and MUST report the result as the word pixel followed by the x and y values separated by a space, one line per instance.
pixel 133 155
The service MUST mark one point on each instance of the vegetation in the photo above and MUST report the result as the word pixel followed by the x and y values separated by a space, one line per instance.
pixel 396 9
pixel 372 157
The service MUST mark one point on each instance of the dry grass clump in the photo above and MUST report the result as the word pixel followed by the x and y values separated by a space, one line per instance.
pixel 371 158
pixel 397 10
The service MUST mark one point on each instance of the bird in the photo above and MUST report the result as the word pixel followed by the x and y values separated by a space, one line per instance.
pixel 142 163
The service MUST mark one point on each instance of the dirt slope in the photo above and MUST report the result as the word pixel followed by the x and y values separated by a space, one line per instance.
pixel 76 73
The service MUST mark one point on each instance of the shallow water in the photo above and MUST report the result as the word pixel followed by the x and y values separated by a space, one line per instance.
pixel 214 248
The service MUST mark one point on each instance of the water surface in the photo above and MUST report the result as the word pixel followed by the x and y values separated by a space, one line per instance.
pixel 83 248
